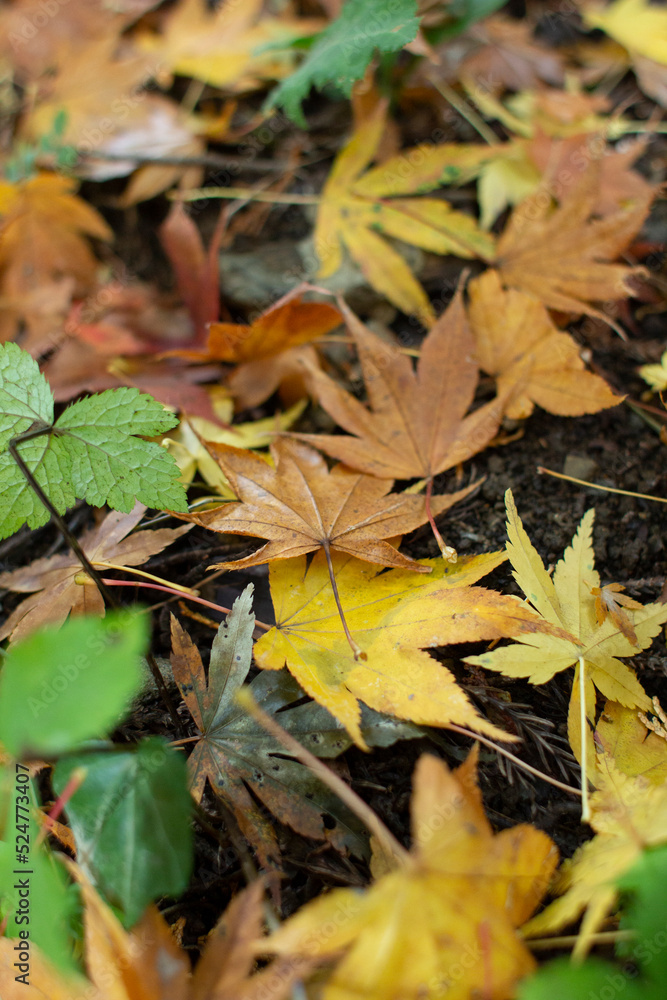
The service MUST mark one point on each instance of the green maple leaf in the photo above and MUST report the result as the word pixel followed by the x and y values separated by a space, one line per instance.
pixel 344 49
pixel 92 452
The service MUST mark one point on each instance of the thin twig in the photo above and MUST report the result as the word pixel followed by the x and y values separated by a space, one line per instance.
pixel 594 486
pixel 272 197
pixel 347 795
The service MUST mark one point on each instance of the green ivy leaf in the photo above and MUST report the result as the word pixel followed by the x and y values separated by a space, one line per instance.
pixel 344 49
pixel 92 452
pixel 60 687
pixel 131 823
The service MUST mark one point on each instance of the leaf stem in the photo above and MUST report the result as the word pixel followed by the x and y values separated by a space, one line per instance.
pixel 347 795
pixel 176 593
pixel 358 653
pixel 594 486
pixel 585 807
pixel 447 552
pixel 272 197
pixel 149 576
pixel 515 760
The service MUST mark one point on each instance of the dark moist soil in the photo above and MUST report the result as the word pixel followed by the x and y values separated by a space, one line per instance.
pixel 615 448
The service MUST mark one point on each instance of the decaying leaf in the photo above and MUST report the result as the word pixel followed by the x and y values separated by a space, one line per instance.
pixel 394 616
pixel 609 603
pixel 235 754
pixel 533 361
pixel 566 600
pixel 444 922
pixel 148 964
pixel 357 211
pixel 562 256
pixel 416 426
pixel 51 580
pixel 300 506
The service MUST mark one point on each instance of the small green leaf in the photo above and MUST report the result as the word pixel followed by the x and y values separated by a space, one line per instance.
pixel 92 453
pixel 344 49
pixel 25 395
pixel 131 823
pixel 60 687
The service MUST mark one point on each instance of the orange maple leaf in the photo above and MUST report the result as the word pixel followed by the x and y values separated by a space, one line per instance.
pixel 43 230
pixel 533 361
pixel 563 256
pixel 266 351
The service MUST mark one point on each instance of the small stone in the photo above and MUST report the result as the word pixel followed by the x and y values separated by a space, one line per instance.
pixel 580 467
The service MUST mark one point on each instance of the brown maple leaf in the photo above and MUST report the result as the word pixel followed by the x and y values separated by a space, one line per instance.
pixel 416 425
pixel 562 256
pixel 300 506
pixel 52 581
pixel 533 361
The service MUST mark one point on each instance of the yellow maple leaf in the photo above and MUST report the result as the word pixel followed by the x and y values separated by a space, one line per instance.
pixel 232 47
pixel 566 600
pixel 394 615
pixel 628 815
pixel 533 361
pixel 358 209
pixel 636 751
pixel 442 923
pixel 640 26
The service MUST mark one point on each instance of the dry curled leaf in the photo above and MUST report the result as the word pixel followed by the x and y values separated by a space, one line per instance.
pixel 564 257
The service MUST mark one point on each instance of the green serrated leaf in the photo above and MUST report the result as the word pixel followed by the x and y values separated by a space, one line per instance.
pixel 131 823
pixel 344 49
pixel 25 395
pixel 51 682
pixel 92 453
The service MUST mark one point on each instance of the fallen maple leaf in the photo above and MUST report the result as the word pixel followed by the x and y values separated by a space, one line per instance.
pixel 533 361
pixel 441 923
pixel 628 814
pixel 235 754
pixel 562 256
pixel 265 352
pixel 640 26
pixel 417 425
pixel 148 964
pixel 355 209
pixel 44 227
pixel 394 615
pixel 52 580
pixel 566 601
pixel 233 47
pixel 301 506
pixel 621 735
